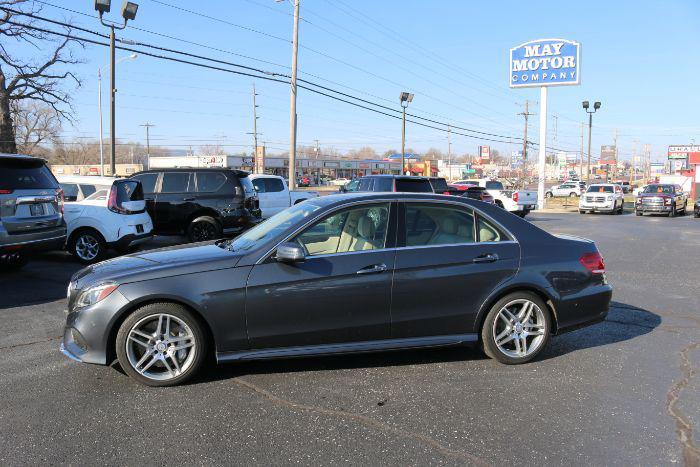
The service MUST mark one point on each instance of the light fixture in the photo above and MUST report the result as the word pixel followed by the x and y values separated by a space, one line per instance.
pixel 406 97
pixel 585 105
pixel 129 10
pixel 103 6
pixel 596 106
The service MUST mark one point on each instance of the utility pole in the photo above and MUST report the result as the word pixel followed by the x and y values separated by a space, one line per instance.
pixel 256 166
pixel 615 143
pixel 148 143
pixel 99 105
pixel 449 152
pixel 590 130
pixel 318 149
pixel 525 114
pixel 112 104
pixel 293 102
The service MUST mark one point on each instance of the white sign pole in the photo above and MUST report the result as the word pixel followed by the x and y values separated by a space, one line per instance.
pixel 541 163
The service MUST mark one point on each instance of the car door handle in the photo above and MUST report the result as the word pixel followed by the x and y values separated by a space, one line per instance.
pixel 488 258
pixel 148 199
pixel 188 199
pixel 375 268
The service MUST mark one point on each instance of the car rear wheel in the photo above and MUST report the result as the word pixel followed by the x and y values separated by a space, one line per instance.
pixel 516 328
pixel 87 245
pixel 639 213
pixel 581 211
pixel 573 195
pixel 161 344
pixel 203 229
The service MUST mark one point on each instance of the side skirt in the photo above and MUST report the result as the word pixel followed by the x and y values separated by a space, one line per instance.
pixel 350 347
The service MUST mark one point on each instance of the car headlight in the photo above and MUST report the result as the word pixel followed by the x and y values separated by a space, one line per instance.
pixel 95 294
pixel 610 198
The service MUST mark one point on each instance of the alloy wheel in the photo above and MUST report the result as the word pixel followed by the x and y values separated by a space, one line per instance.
pixel 203 231
pixel 519 328
pixel 87 247
pixel 161 347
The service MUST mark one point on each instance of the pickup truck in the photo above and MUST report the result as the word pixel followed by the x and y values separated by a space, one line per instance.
pixel 274 194
pixel 519 202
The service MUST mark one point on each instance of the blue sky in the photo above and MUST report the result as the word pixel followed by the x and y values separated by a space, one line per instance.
pixel 638 58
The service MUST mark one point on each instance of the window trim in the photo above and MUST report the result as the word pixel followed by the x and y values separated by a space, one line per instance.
pixel 401 229
pixel 161 176
pixel 195 178
pixel 392 228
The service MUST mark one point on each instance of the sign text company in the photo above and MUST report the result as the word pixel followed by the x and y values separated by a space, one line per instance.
pixel 545 62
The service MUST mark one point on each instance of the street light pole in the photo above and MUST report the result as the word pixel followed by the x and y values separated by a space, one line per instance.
pixel 404 98
pixel 128 12
pixel 596 106
pixel 99 106
pixel 293 102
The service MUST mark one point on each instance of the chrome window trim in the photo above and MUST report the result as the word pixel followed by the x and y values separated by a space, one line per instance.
pixel 415 247
pixel 266 256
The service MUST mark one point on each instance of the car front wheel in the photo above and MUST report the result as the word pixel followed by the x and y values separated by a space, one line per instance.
pixel 516 328
pixel 161 344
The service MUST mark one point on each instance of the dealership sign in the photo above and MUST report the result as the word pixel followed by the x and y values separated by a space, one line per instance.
pixel 545 62
pixel 691 152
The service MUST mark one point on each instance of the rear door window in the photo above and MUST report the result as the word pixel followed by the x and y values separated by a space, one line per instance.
pixel 383 184
pixel 128 190
pixel 366 184
pixel 148 181
pixel 428 224
pixel 208 182
pixel 175 182
pixel 273 185
pixel 409 185
pixel 25 175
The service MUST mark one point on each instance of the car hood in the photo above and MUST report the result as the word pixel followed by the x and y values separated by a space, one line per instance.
pixel 154 264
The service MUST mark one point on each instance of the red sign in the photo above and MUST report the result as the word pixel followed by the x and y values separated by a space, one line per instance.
pixel 94 170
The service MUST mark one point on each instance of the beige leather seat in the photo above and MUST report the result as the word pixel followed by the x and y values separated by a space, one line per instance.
pixel 447 233
pixel 364 238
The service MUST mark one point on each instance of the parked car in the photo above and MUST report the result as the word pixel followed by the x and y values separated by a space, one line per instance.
pixel 395 183
pixel 662 198
pixel 478 193
pixel 339 181
pixel 31 209
pixel 274 194
pixel 602 197
pixel 638 190
pixel 439 185
pixel 304 181
pixel 519 202
pixel 204 204
pixel 570 189
pixel 424 272
pixel 696 209
pixel 112 216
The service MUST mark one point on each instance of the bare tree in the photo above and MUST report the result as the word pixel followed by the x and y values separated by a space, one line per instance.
pixel 35 124
pixel 36 78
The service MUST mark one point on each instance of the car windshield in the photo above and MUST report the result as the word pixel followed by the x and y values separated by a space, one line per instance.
pixel 667 189
pixel 494 185
pixel 272 227
pixel 600 189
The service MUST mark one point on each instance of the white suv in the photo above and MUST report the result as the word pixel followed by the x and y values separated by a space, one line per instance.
pixel 602 197
pixel 104 213
pixel 571 189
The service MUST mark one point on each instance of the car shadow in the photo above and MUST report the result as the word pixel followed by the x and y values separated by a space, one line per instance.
pixel 624 322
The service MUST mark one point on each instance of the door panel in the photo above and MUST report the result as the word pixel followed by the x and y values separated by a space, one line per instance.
pixel 440 283
pixel 320 301
pixel 174 202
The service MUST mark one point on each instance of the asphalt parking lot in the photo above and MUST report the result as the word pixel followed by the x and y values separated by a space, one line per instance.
pixel 626 391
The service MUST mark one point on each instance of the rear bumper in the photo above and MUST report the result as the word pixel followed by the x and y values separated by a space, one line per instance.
pixel 583 308
pixel 130 240
pixel 47 240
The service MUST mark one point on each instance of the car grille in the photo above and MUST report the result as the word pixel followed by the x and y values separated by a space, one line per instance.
pixel 652 201
pixel 595 199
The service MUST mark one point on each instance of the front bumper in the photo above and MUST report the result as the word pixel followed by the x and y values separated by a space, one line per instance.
pixel 86 335
pixel 653 208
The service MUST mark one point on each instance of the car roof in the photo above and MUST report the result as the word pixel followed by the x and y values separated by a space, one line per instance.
pixel 91 179
pixel 404 177
pixel 26 157
pixel 241 173
pixel 343 198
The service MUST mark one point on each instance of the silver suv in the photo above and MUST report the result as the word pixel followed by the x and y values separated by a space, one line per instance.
pixel 31 209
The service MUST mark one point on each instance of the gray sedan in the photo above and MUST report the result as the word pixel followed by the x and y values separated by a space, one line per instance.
pixel 339 274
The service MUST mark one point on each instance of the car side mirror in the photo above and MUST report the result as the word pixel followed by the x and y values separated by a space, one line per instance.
pixel 290 253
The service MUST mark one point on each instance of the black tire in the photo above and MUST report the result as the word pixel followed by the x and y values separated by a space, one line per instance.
pixel 673 211
pixel 638 212
pixel 696 214
pixel 87 245
pixel 13 262
pixel 573 195
pixel 487 330
pixel 685 209
pixel 549 194
pixel 155 309
pixel 581 211
pixel 203 229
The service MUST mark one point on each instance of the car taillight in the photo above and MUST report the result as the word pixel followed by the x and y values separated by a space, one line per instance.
pixel 4 191
pixel 593 262
pixel 516 196
pixel 60 199
pixel 112 204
